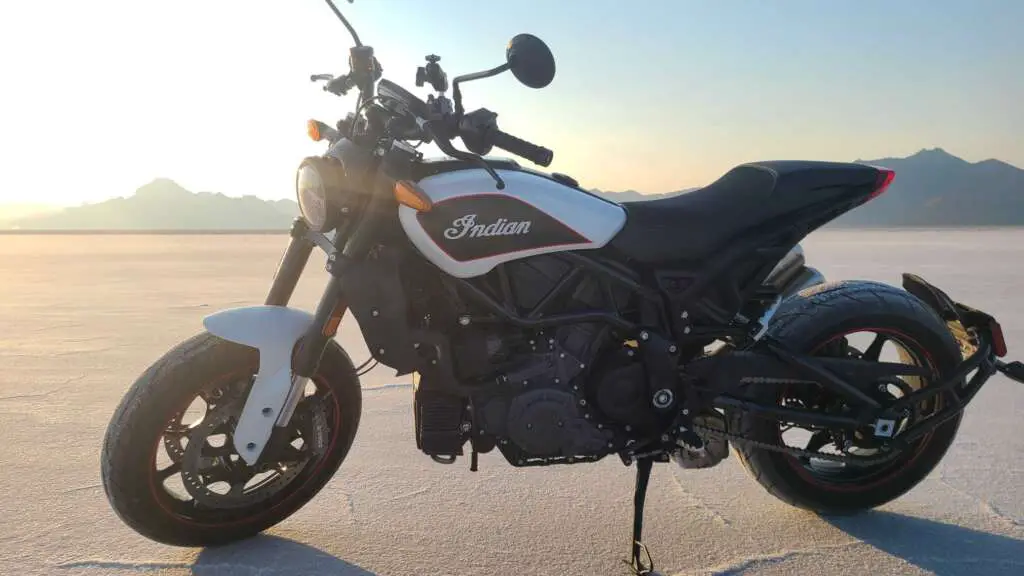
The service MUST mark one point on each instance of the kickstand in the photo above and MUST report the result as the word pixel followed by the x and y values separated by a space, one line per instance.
pixel 643 476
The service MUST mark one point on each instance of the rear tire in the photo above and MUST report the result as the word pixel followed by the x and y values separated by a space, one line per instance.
pixel 138 430
pixel 808 322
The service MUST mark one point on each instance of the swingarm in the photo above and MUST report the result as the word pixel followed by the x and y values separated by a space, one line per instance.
pixel 723 379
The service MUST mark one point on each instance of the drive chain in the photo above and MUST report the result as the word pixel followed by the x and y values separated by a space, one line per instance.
pixel 798 452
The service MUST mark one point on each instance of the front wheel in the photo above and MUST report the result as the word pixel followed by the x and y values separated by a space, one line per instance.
pixel 865 320
pixel 169 468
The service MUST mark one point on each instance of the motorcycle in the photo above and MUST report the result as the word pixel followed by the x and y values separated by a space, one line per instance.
pixel 553 325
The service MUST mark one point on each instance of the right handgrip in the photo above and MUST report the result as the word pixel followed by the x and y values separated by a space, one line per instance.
pixel 537 154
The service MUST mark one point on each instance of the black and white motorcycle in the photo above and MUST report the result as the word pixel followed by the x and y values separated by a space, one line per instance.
pixel 551 324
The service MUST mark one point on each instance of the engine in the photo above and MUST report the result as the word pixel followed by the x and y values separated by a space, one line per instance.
pixel 561 395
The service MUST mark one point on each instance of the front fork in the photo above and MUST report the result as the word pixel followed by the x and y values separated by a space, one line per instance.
pixel 329 311
pixel 352 240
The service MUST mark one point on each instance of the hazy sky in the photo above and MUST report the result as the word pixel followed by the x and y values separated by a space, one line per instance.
pixel 100 96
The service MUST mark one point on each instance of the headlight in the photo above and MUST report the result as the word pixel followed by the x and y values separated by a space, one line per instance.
pixel 319 187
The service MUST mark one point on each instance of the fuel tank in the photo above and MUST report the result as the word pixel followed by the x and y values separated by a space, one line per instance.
pixel 473 226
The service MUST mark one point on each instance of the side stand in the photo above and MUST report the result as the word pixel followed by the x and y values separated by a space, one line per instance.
pixel 643 476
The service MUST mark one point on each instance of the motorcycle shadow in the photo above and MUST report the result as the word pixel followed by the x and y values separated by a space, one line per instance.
pixel 937 547
pixel 270 555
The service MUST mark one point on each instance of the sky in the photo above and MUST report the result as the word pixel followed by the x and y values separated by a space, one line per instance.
pixel 99 97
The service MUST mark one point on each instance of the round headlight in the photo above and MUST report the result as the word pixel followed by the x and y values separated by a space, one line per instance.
pixel 312 197
pixel 320 188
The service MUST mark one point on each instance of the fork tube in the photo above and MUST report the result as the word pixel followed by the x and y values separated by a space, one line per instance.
pixel 291 266
pixel 349 246
pixel 329 311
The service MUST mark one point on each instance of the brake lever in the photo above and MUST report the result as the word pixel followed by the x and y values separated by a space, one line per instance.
pixel 321 77
pixel 446 146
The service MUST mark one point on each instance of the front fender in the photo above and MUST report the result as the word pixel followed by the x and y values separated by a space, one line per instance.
pixel 273 330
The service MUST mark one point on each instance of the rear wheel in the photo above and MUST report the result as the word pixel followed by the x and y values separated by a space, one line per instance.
pixel 169 466
pixel 861 320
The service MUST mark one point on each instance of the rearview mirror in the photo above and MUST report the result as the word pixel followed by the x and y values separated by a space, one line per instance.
pixel 530 60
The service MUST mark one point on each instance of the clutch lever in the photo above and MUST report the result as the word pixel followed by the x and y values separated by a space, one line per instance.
pixel 337 85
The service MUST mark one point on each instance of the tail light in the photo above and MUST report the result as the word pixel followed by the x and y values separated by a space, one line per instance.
pixel 885 178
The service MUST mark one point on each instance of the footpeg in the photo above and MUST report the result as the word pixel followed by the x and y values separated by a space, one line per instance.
pixel 701 449
pixel 1013 370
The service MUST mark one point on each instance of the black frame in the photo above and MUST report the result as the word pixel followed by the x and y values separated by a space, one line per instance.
pixel 534 318
pixel 715 378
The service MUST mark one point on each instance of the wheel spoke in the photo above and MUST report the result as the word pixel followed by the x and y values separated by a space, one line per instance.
pixel 291 455
pixel 818 441
pixel 169 471
pixel 874 351
pixel 237 488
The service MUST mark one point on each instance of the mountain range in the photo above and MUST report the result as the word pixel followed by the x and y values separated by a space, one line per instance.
pixel 163 205
pixel 932 189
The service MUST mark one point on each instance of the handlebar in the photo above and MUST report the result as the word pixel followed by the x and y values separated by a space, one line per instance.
pixel 435 120
pixel 479 132
pixel 537 154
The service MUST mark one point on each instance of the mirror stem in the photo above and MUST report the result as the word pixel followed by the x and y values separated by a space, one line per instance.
pixel 457 94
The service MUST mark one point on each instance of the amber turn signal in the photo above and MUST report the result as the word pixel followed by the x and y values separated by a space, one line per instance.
pixel 313 129
pixel 409 194
pixel 331 327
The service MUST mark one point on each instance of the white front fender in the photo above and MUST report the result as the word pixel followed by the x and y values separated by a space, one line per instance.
pixel 273 330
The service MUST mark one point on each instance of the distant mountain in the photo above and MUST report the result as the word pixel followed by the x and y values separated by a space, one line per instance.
pixel 164 205
pixel 932 188
pixel 634 196
pixel 936 188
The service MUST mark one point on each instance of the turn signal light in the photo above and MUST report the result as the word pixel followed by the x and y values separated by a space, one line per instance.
pixel 409 194
pixel 313 129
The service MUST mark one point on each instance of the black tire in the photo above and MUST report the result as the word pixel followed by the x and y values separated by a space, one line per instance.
pixel 806 322
pixel 128 460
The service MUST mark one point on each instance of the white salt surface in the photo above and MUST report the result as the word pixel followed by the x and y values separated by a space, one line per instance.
pixel 82 316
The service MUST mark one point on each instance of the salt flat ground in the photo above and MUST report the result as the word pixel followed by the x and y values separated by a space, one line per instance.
pixel 81 317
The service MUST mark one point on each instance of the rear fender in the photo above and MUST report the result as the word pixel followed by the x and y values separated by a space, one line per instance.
pixel 806 278
pixel 952 311
pixel 961 318
pixel 273 330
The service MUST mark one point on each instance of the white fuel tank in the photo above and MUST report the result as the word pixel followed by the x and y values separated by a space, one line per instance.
pixel 473 226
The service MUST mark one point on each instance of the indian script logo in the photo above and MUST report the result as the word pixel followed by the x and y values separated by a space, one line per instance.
pixel 466 226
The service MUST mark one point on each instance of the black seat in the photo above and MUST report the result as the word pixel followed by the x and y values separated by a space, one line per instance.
pixel 693 225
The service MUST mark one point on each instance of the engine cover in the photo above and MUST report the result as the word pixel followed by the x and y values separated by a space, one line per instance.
pixel 548 423
pixel 542 412
pixel 620 391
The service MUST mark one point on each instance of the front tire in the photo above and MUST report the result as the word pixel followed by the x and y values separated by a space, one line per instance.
pixel 150 422
pixel 821 320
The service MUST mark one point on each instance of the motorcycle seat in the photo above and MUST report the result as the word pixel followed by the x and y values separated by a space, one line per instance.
pixel 692 226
